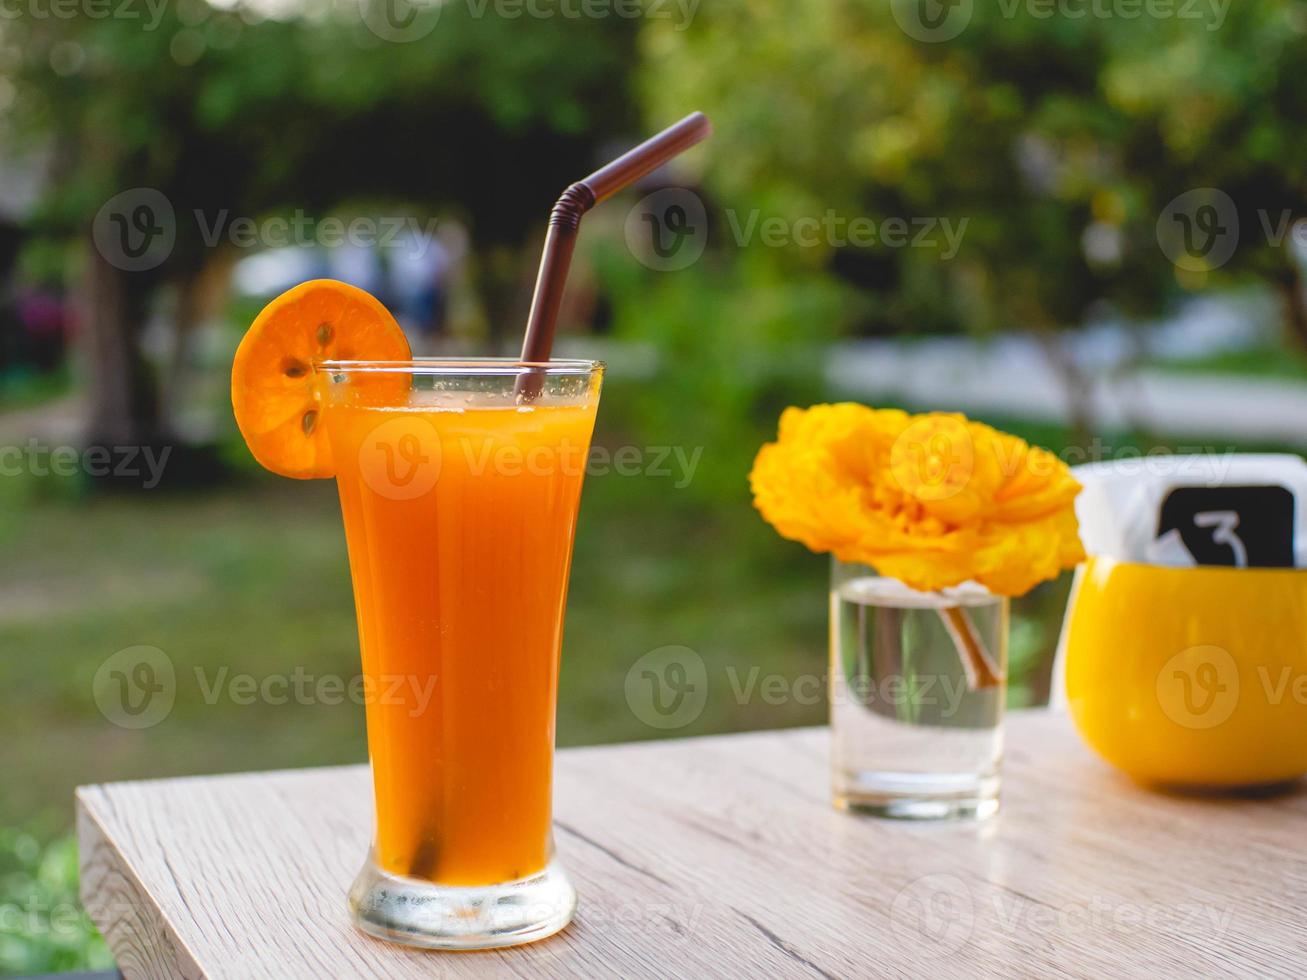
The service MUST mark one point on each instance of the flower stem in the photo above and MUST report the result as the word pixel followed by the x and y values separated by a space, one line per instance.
pixel 978 663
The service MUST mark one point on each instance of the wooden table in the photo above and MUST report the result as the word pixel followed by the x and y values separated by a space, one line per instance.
pixel 722 856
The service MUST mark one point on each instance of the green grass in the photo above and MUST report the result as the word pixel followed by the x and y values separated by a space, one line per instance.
pixel 42 926
pixel 254 578
pixel 1281 362
pixel 21 388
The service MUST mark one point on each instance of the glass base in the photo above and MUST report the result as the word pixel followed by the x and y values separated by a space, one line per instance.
pixel 419 913
pixel 918 796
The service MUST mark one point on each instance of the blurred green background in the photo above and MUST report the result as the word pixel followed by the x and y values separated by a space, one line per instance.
pixel 1080 222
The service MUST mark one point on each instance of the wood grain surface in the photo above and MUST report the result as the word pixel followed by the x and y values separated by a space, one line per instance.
pixel 722 857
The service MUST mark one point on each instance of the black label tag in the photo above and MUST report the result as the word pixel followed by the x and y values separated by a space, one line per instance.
pixel 1248 527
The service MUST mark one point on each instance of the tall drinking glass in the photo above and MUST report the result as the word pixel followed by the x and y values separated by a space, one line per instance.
pixel 460 503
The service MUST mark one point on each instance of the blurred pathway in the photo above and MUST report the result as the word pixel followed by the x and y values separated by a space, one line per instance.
pixel 1012 376
pixel 59 422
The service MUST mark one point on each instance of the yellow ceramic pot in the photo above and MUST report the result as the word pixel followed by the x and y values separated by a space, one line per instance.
pixel 1191 676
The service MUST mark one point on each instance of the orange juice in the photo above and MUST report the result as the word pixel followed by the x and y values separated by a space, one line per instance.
pixel 459 513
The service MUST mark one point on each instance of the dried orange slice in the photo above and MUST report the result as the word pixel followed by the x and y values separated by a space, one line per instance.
pixel 274 393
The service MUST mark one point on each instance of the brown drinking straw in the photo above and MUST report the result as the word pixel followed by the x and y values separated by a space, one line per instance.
pixel 565 219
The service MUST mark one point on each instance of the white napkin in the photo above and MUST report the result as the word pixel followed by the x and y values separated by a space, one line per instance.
pixel 1244 510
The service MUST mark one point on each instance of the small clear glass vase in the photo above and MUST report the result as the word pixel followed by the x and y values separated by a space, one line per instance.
pixel 917 690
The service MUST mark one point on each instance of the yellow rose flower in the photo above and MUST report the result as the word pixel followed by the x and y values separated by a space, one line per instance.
pixel 932 500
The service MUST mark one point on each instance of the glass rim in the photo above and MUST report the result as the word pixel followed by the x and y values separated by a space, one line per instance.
pixel 463 366
pixel 969 593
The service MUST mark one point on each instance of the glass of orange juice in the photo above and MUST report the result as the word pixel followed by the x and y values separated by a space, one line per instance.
pixel 460 501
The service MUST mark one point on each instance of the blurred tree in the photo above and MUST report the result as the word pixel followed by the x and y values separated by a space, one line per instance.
pixel 1062 141
pixel 227 114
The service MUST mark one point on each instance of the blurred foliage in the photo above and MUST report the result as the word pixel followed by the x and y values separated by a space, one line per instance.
pixel 226 109
pixel 234 116
pixel 734 343
pixel 42 926
pixel 1059 139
